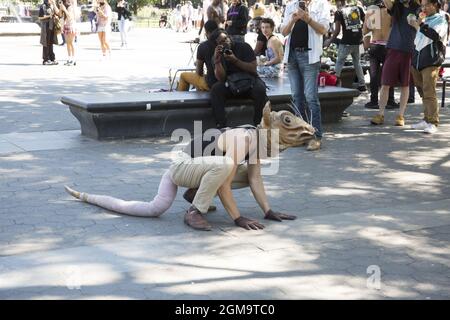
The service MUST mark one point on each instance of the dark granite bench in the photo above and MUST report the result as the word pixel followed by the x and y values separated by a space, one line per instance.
pixel 130 115
pixel 348 75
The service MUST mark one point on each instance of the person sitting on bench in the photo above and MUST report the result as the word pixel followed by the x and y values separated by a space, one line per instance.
pixel 205 54
pixel 235 70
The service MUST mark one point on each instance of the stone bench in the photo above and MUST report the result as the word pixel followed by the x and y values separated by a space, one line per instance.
pixel 132 115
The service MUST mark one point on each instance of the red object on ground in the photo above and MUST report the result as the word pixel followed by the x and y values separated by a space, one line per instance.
pixel 330 79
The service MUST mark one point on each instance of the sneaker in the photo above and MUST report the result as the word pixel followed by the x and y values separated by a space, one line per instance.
pixel 314 144
pixel 68 63
pixel 54 62
pixel 420 125
pixel 47 63
pixel 362 89
pixel 430 129
pixel 371 105
pixel 392 105
pixel 377 119
pixel 399 121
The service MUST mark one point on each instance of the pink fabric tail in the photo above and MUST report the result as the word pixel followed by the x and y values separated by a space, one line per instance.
pixel 167 192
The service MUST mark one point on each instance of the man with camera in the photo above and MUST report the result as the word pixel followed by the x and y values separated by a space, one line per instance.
pixel 235 70
pixel 397 64
pixel 305 23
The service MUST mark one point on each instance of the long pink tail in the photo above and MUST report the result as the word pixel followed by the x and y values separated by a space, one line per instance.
pixel 167 192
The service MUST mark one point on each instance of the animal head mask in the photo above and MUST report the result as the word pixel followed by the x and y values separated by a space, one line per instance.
pixel 292 130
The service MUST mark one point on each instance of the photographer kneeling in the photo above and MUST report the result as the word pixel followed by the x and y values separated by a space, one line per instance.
pixel 235 70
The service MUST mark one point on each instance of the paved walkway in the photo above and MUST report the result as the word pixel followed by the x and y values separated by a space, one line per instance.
pixel 373 205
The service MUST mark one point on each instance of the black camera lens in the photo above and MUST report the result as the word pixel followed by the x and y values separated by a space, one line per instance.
pixel 227 51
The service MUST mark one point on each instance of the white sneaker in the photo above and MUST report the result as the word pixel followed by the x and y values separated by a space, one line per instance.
pixel 420 125
pixel 431 128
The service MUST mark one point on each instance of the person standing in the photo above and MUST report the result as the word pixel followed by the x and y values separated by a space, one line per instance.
pixel 378 22
pixel 68 9
pixel 48 12
pixel 237 19
pixel 396 68
pixel 216 12
pixel 350 18
pixel 124 16
pixel 431 37
pixel 305 23
pixel 104 15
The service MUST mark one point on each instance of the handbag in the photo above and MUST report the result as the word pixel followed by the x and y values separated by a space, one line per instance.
pixel 57 25
pixel 439 52
pixel 240 82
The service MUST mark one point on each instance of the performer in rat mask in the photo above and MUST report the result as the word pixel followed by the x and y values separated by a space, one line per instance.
pixel 230 161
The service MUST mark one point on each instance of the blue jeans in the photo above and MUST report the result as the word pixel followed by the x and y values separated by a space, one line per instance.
pixel 343 51
pixel 305 90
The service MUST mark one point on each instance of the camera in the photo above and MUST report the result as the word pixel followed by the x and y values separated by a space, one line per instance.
pixel 227 51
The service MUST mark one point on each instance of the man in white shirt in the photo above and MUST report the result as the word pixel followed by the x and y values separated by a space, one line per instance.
pixel 305 23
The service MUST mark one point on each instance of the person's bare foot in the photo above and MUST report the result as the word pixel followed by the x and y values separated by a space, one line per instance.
pixel 75 194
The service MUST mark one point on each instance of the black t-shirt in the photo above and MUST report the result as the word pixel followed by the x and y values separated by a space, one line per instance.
pixel 205 52
pixel 299 35
pixel 243 51
pixel 351 19
pixel 263 39
pixel 238 14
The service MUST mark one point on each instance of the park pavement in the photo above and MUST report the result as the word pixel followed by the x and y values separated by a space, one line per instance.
pixel 373 205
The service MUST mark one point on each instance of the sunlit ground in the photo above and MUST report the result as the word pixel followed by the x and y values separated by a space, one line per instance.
pixel 372 205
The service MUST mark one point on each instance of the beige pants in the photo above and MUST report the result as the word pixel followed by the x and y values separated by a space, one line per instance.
pixel 207 174
pixel 192 78
pixel 425 81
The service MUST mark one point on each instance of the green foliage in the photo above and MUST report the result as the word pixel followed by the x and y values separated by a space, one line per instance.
pixel 330 52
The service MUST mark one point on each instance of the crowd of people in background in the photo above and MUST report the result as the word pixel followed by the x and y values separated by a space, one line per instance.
pixel 405 41
pixel 60 17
